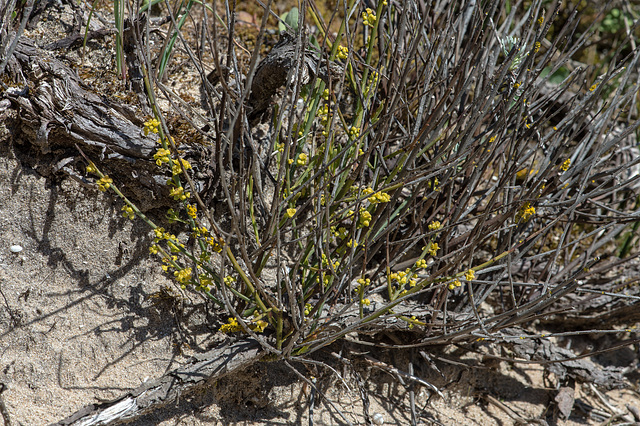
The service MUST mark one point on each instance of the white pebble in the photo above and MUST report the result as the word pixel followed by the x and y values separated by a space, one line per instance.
pixel 378 419
pixel 15 249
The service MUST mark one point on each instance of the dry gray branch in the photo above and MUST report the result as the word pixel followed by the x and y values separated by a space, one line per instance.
pixel 149 396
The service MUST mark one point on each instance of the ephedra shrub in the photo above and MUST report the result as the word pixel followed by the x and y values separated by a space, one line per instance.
pixel 421 162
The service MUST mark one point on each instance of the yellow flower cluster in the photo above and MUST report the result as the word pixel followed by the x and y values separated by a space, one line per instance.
pixel 454 284
pixel 325 262
pixel 162 156
pixel 565 165
pixel 302 159
pixel 435 225
pixel 421 263
pixel 435 185
pixel 323 113
pixel 183 276
pixel 525 213
pixel 536 47
pixel 364 218
pixel 354 132
pixel 128 212
pixel 192 211
pixel 433 249
pixel 343 52
pixel 91 168
pixel 404 277
pixel 178 194
pixel 215 244
pixel 340 232
pixel 369 17
pixel 205 283
pixel 379 197
pixel 104 183
pixel 167 262
pixel 470 275
pixel 151 126
pixel 363 282
pixel 231 326
pixel 176 169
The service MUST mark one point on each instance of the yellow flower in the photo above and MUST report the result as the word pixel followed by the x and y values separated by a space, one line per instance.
pixel 162 156
pixel 343 52
pixel 104 183
pixel 421 263
pixel 290 212
pixel 565 165
pixel 178 194
pixel 536 47
pixel 541 20
pixel 231 326
pixel 470 275
pixel 176 169
pixel 525 212
pixel 435 225
pixel 364 218
pixel 151 126
pixel 366 302
pixel 91 168
pixel 302 159
pixel 354 132
pixel 183 275
pixel 192 211
pixel 379 197
pixel 592 88
pixel 205 283
pixel 433 249
pixel 128 212
pixel 153 249
pixel 259 325
pixel 159 233
pixel 369 17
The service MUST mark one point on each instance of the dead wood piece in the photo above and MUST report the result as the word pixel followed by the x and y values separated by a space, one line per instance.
pixel 272 72
pixel 76 39
pixel 59 114
pixel 150 396
pixel 563 362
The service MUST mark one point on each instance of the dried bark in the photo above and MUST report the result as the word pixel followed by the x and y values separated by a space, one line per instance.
pixel 59 114
pixel 212 365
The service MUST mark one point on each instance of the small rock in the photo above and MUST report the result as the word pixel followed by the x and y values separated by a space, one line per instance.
pixel 378 419
pixel 16 249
